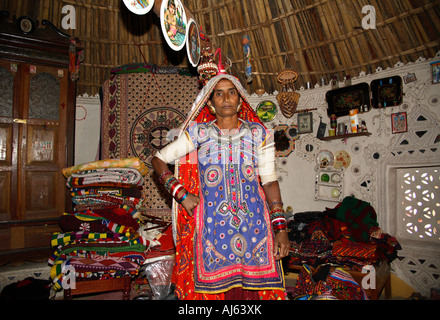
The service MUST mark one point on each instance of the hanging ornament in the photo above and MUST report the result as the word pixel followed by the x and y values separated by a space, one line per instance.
pixel 203 37
pixel 247 58
pixel 228 65
pixel 288 98
pixel 220 66
pixel 207 67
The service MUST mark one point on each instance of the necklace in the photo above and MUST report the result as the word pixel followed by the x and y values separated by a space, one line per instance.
pixel 215 132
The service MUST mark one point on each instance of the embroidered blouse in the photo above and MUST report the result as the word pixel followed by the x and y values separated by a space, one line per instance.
pixel 233 240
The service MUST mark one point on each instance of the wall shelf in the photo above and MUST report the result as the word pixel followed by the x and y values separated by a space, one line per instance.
pixel 345 136
pixel 331 188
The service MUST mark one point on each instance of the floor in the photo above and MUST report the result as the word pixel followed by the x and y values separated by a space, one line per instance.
pixel 38 268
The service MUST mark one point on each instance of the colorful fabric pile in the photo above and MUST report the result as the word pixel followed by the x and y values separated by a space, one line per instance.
pixel 324 284
pixel 102 238
pixel 347 235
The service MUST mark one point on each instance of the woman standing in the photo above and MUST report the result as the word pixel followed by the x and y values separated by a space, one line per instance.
pixel 230 229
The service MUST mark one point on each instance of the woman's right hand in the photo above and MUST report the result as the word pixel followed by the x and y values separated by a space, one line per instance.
pixel 190 203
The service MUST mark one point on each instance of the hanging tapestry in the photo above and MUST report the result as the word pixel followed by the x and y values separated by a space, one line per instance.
pixel 139 108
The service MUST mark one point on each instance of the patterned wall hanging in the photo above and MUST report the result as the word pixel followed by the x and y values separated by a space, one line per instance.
pixel 138 111
pixel 152 130
pixel 207 67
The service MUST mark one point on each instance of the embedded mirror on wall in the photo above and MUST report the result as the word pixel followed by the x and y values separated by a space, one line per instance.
pixel 341 100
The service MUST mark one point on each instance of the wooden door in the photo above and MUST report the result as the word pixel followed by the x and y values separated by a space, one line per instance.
pixel 32 151
pixel 8 150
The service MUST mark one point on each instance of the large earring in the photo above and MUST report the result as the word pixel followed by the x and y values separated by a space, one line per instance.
pixel 211 109
pixel 239 107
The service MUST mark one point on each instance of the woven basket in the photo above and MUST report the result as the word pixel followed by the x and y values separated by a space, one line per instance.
pixel 288 102
pixel 288 98
pixel 287 77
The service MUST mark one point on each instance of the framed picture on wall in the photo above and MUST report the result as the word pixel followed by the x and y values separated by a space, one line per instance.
pixel 399 122
pixel 410 77
pixel 435 68
pixel 305 122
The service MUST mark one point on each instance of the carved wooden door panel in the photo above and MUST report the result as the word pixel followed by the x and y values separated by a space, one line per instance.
pixel 32 150
pixel 8 163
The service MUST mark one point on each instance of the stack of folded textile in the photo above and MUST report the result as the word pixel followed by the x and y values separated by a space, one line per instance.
pixel 101 238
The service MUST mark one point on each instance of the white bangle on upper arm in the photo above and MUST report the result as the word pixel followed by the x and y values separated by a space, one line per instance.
pixel 176 149
pixel 266 164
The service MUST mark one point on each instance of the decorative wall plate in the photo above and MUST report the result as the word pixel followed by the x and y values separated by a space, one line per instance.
pixel 266 111
pixel 173 22
pixel 139 7
pixel 193 43
pixel 342 159
pixel 325 158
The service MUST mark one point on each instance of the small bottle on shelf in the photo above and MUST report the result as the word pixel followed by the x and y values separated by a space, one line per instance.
pixel 333 121
pixel 354 121
pixel 364 126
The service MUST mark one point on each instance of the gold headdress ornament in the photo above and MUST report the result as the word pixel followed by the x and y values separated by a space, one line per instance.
pixel 207 67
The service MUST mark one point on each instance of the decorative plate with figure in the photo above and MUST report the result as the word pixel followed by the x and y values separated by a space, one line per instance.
pixel 173 22
pixel 193 43
pixel 325 158
pixel 139 7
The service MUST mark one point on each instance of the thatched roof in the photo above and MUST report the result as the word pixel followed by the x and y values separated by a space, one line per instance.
pixel 317 38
